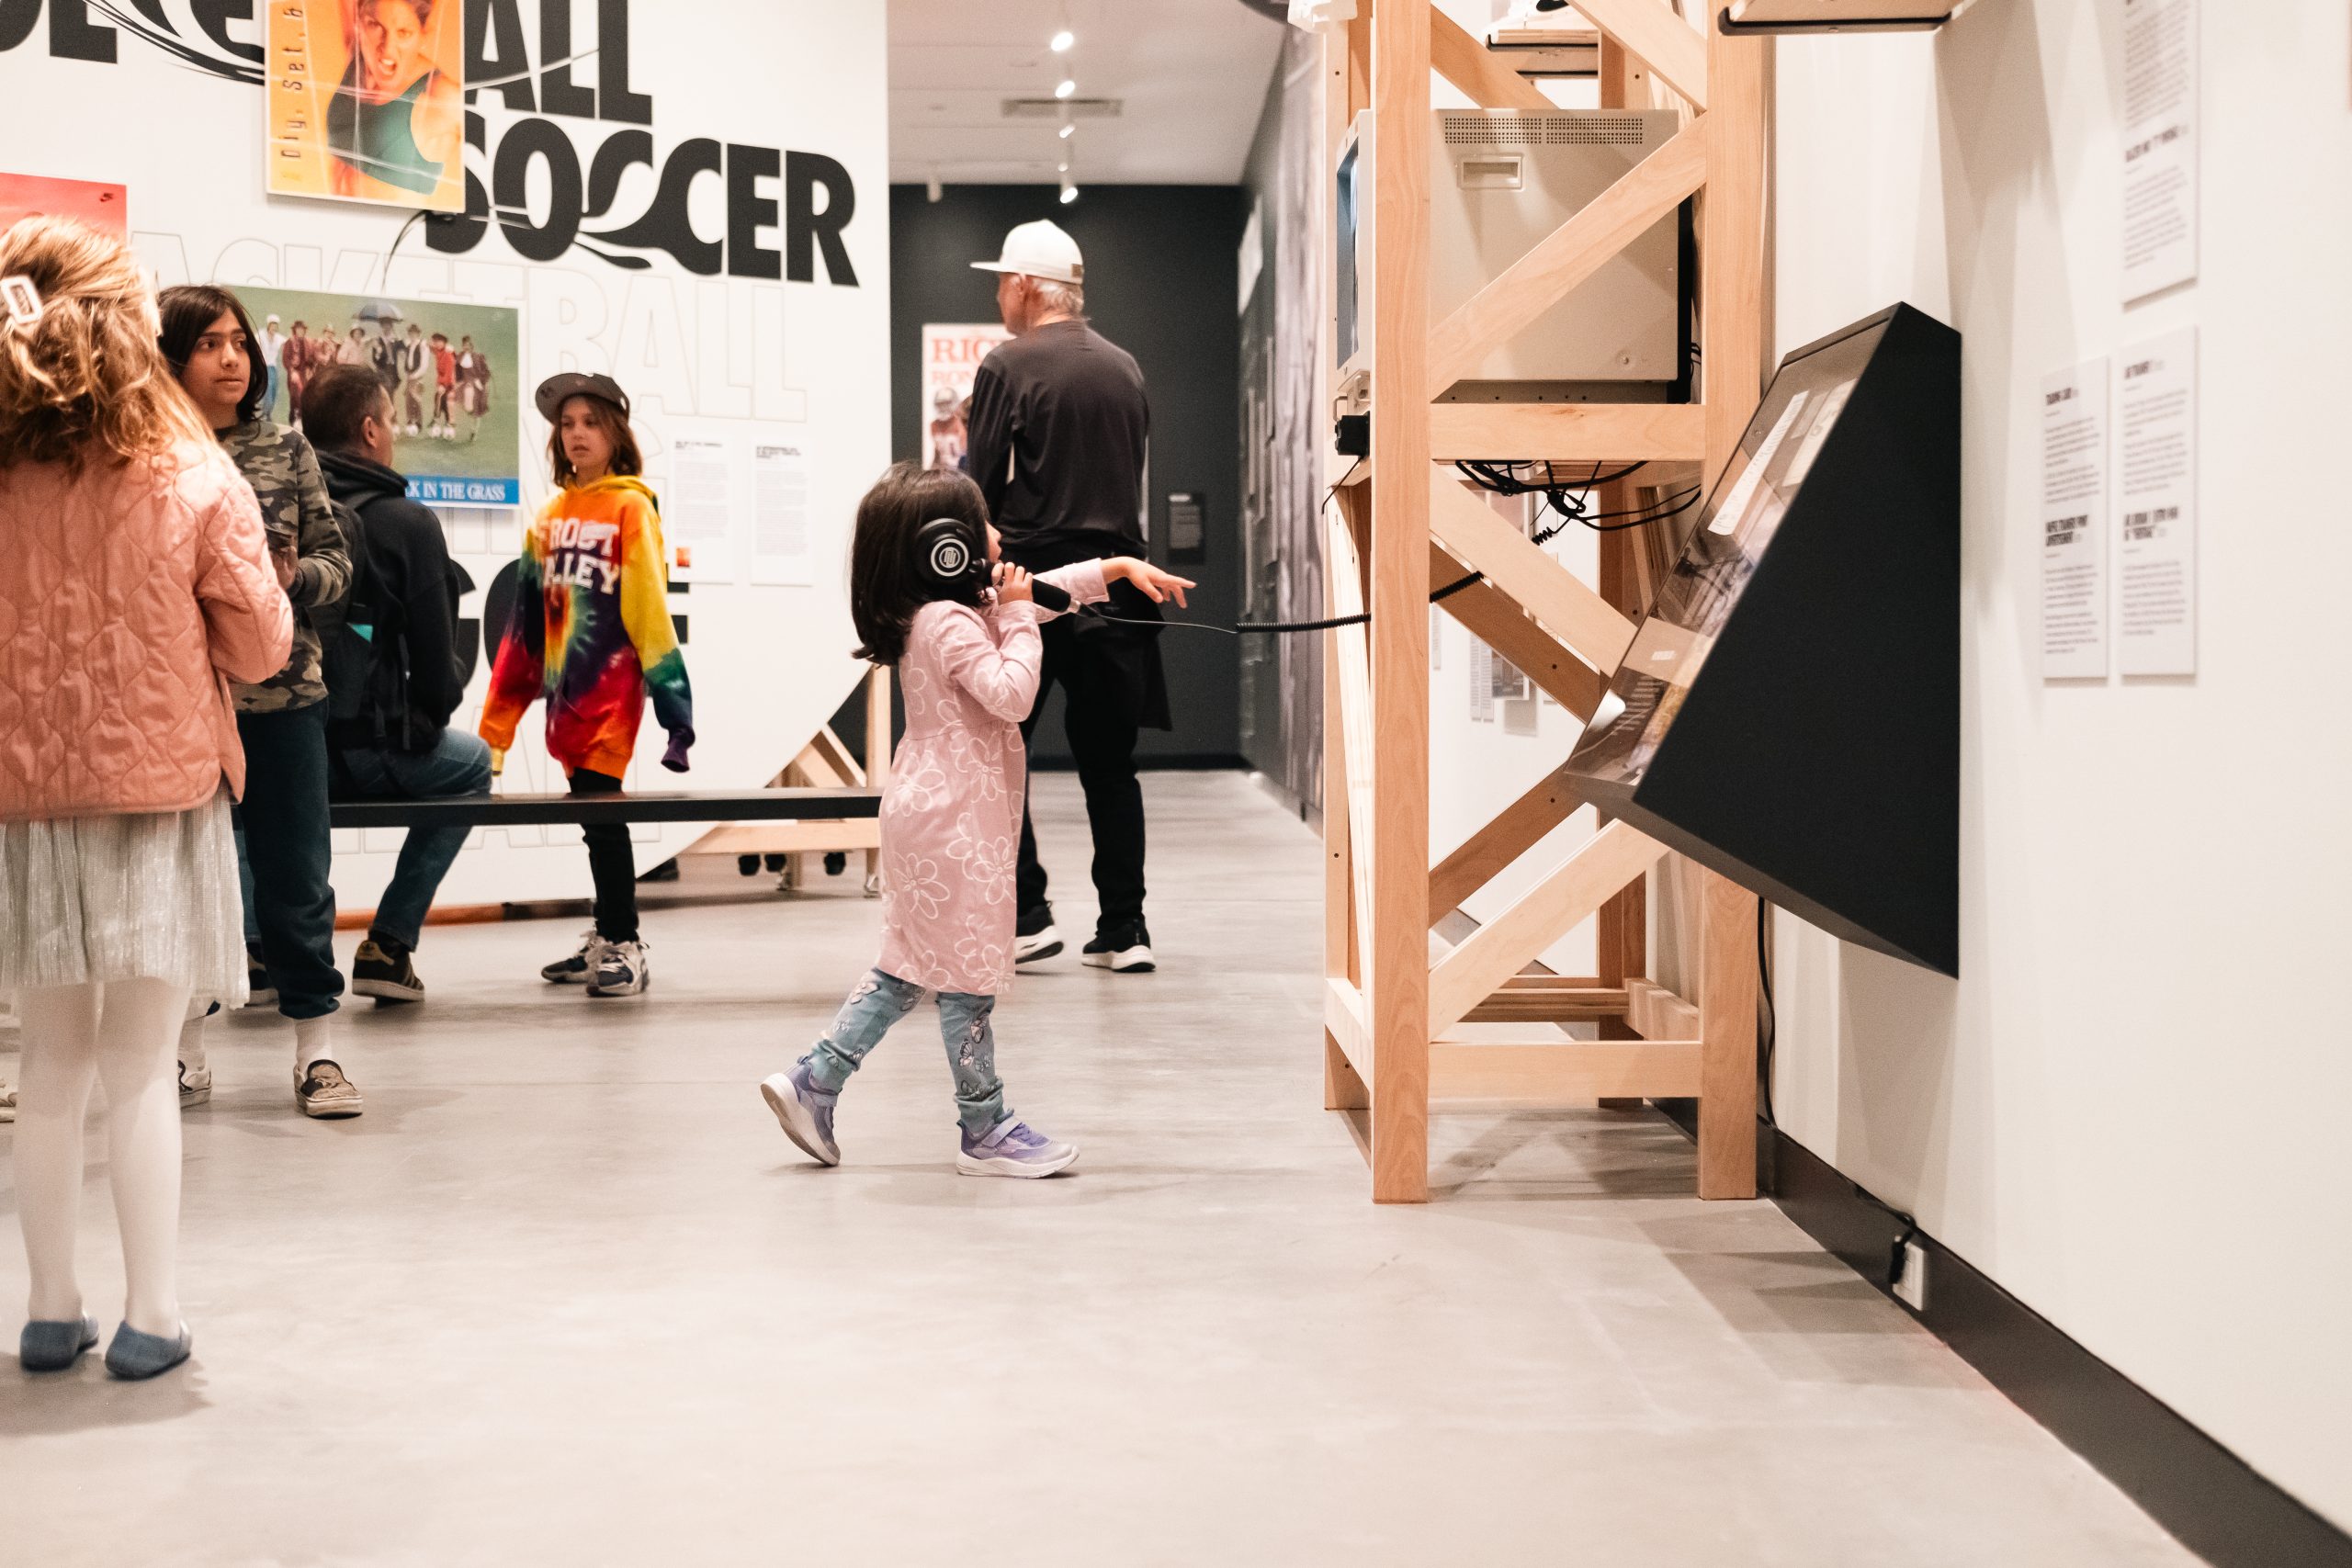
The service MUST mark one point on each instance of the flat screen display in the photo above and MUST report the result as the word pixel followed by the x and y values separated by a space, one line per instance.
pixel 1345 212
pixel 1736 528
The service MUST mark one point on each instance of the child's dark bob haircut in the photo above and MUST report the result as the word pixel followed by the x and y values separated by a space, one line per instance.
pixel 887 585
pixel 188 310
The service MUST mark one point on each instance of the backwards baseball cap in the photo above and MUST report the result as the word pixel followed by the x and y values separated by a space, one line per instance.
pixel 1040 250
pixel 578 384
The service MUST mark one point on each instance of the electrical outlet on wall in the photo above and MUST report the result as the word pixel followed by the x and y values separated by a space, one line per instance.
pixel 1911 1276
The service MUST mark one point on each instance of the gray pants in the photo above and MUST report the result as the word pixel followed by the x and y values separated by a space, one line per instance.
pixel 881 1001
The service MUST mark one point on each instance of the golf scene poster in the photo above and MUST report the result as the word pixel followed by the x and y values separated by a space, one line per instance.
pixel 453 373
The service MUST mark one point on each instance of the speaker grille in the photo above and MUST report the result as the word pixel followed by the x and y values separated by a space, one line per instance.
pixel 1544 131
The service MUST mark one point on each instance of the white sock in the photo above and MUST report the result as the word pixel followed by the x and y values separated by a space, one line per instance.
pixel 191 1053
pixel 312 1043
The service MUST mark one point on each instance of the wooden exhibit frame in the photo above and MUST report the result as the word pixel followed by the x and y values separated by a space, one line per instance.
pixel 824 763
pixel 1404 525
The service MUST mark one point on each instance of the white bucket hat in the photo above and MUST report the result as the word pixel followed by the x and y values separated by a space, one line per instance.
pixel 1040 250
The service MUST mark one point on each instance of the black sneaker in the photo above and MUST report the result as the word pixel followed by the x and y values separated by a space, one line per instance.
pixel 1034 936
pixel 265 995
pixel 387 971
pixel 1124 950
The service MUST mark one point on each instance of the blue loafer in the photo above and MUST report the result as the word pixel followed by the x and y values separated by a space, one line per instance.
pixel 134 1355
pixel 54 1347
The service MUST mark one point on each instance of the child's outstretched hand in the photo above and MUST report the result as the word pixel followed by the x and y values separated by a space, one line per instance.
pixel 674 759
pixel 1012 585
pixel 1157 586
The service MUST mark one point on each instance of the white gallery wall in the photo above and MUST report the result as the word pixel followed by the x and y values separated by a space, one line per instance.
pixel 723 326
pixel 2121 1109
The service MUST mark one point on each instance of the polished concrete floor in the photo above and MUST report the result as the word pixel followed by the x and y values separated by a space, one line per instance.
pixel 566 1295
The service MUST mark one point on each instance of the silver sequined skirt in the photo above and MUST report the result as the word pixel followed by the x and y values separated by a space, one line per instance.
pixel 103 899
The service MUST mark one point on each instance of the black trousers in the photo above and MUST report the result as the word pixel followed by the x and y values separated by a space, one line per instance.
pixel 612 861
pixel 287 844
pixel 1098 679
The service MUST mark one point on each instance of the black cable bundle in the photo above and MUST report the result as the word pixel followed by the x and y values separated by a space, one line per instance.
pixel 1569 496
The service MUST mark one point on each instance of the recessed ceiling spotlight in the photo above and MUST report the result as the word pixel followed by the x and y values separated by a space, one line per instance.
pixel 1066 89
pixel 1067 131
pixel 1060 168
pixel 1062 41
pixel 1069 193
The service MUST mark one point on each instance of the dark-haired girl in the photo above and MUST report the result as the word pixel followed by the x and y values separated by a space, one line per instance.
pixel 289 908
pixel 921 565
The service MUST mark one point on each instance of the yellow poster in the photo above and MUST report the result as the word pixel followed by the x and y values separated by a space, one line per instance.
pixel 367 101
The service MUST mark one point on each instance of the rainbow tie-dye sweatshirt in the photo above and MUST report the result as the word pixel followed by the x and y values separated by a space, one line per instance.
pixel 592 562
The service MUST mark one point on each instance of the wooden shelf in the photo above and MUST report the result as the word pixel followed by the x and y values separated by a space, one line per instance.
pixel 1757 17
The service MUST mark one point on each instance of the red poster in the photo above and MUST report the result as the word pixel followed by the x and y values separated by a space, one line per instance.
pixel 35 196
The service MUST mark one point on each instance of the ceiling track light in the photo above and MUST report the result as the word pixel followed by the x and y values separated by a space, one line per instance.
pixel 1069 86
pixel 1069 193
pixel 1062 41
pixel 1067 131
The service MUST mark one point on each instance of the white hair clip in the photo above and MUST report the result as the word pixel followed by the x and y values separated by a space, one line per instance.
pixel 23 299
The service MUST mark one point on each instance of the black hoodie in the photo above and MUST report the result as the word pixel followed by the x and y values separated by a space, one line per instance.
pixel 413 587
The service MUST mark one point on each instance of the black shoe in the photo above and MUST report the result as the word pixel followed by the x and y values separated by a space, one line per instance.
pixel 385 970
pixel 1124 950
pixel 265 995
pixel 1034 936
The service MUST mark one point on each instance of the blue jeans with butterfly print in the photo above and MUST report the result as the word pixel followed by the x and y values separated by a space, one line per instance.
pixel 965 1026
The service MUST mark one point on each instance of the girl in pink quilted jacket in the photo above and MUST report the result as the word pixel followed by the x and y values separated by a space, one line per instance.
pixel 928 595
pixel 134 585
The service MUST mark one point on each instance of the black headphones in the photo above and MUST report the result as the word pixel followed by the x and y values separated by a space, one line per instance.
pixel 952 558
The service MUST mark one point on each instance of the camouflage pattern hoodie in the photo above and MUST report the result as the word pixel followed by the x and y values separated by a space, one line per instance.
pixel 296 514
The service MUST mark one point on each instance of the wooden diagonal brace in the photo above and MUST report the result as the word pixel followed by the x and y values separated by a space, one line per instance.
pixel 1585 624
pixel 1519 826
pixel 1501 626
pixel 1647 192
pixel 1544 914
pixel 1675 51
pixel 1469 64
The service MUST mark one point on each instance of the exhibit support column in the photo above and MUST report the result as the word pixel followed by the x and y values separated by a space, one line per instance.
pixel 1396 1000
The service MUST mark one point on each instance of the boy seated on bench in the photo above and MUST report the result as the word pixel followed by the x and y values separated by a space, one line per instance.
pixel 393 674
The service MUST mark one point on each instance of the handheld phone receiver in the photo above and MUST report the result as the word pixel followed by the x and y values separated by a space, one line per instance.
pixel 1049 596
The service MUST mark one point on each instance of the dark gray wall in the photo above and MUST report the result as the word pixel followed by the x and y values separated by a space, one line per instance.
pixel 1284 433
pixel 1160 283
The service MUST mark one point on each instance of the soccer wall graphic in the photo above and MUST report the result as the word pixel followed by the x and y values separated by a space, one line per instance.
pixel 454 373
pixel 689 196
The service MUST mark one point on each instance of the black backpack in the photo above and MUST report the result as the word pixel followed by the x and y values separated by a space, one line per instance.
pixel 364 654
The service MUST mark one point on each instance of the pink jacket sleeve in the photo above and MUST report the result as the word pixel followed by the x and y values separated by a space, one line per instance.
pixel 1081 580
pixel 997 658
pixel 246 614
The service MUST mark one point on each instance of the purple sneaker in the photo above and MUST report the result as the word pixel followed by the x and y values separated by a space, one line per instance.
pixel 804 1111
pixel 1014 1148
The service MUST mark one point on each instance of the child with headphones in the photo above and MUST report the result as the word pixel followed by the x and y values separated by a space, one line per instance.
pixel 929 596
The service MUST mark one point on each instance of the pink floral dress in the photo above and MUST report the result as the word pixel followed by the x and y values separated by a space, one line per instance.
pixel 951 813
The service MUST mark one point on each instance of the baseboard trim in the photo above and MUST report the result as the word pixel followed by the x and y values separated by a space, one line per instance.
pixel 2212 1501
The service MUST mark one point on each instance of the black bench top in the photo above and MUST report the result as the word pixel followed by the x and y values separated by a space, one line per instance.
pixel 668 805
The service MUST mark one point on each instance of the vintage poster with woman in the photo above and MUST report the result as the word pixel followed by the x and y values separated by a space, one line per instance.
pixel 367 101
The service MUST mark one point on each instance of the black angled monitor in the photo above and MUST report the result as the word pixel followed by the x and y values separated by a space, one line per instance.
pixel 1789 711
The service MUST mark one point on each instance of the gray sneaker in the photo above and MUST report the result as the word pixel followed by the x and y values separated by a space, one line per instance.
pixel 325 1093
pixel 578 968
pixel 622 969
pixel 1013 1148
pixel 804 1111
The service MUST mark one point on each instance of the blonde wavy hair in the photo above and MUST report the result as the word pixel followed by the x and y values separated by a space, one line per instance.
pixel 87 378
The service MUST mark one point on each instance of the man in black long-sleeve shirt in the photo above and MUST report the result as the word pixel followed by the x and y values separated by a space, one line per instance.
pixel 394 677
pixel 1057 430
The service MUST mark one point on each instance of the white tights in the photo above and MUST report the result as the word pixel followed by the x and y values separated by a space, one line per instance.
pixel 123 1033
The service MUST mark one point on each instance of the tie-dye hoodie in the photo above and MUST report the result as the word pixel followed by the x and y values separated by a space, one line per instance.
pixel 593 560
